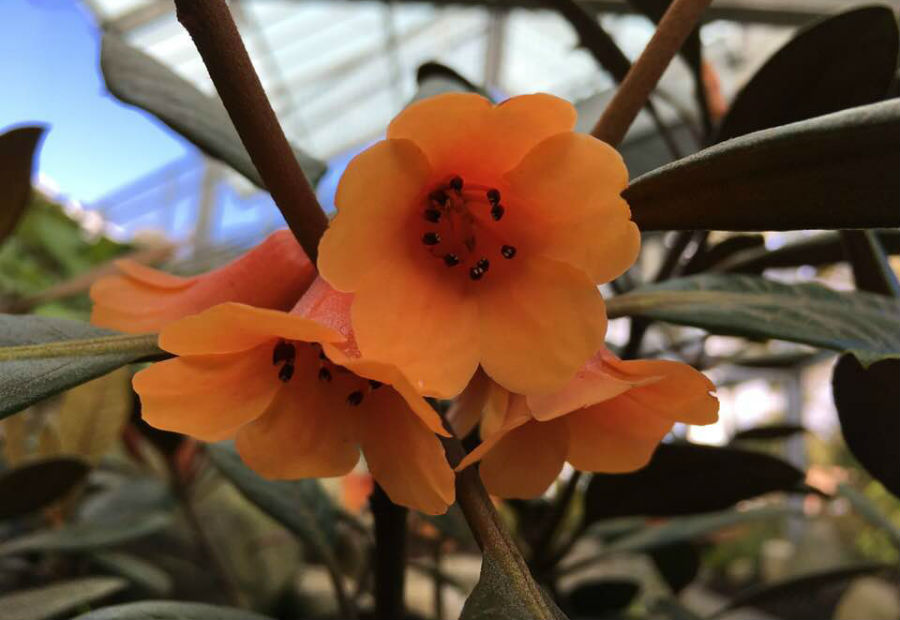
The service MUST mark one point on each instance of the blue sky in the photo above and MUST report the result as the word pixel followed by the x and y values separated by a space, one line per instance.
pixel 49 69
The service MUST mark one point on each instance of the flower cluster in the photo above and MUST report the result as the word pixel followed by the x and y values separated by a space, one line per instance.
pixel 463 263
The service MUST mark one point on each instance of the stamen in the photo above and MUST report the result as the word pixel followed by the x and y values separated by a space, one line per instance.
pixel 439 197
pixel 354 398
pixel 451 260
pixel 483 264
pixel 456 184
pixel 324 375
pixel 508 251
pixel 286 372
pixel 493 196
pixel 431 238
pixel 433 215
pixel 375 384
pixel 476 273
pixel 283 352
pixel 322 355
pixel 497 212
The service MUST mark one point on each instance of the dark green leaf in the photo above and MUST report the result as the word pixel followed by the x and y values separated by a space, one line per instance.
pixel 51 601
pixel 302 506
pixel 170 610
pixel 807 597
pixel 868 405
pixel 864 324
pixel 677 563
pixel 841 62
pixel 140 80
pixel 37 484
pixel 684 479
pixel 872 271
pixel 770 431
pixel 145 576
pixel 494 598
pixel 17 149
pixel 816 250
pixel 88 536
pixel 434 78
pixel 830 172
pixel 693 527
pixel 602 598
pixel 708 258
pixel 44 356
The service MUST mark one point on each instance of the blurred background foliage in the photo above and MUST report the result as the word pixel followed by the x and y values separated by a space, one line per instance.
pixel 772 513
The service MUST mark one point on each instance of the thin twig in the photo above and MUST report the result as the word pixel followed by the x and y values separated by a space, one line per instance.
pixel 674 27
pixel 558 512
pixel 217 39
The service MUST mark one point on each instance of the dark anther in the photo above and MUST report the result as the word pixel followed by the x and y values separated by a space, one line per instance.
pixel 431 238
pixel 456 184
pixel 497 212
pixel 508 251
pixel 493 196
pixel 354 398
pixel 483 264
pixel 476 273
pixel 322 355
pixel 324 375
pixel 375 384
pixel 451 260
pixel 283 352
pixel 286 372
pixel 438 197
pixel 433 215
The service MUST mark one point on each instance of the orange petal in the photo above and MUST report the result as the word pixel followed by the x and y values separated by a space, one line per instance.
pixel 568 186
pixel 231 327
pixel 594 382
pixel 272 275
pixel 326 306
pixel 617 435
pixel 465 412
pixel 681 394
pixel 404 456
pixel 496 411
pixel 425 324
pixel 462 133
pixel 375 199
pixel 515 415
pixel 539 325
pixel 526 461
pixel 207 396
pixel 308 431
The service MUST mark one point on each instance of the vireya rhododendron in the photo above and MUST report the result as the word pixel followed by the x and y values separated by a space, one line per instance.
pixel 298 400
pixel 477 234
pixel 609 418
pixel 139 299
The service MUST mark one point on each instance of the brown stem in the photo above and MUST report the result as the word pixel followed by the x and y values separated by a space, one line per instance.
pixel 389 560
pixel 217 39
pixel 490 533
pixel 674 27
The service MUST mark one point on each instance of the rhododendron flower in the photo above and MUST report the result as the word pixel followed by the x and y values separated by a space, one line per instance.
pixel 477 233
pixel 272 275
pixel 297 399
pixel 609 418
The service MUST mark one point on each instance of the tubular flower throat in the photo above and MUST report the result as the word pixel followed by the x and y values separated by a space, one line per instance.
pixel 476 234
pixel 609 418
pixel 299 402
pixel 140 299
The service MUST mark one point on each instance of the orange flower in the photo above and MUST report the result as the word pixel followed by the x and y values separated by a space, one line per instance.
pixel 298 400
pixel 609 418
pixel 272 275
pixel 477 234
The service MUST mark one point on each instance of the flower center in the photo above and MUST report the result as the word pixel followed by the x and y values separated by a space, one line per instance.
pixel 458 227
pixel 287 358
